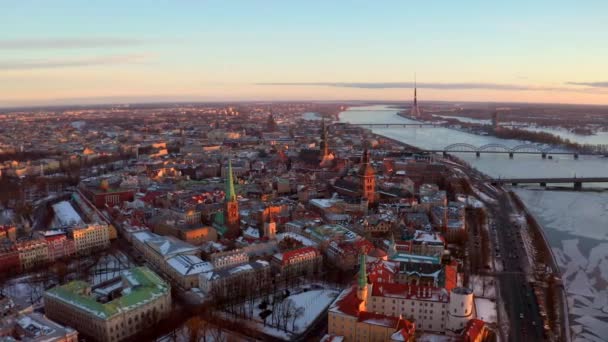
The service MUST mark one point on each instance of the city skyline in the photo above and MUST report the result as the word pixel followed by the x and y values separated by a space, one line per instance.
pixel 69 53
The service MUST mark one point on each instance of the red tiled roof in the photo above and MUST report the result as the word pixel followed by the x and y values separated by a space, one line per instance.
pixel 473 329
pixel 151 196
pixel 408 329
pixel 287 256
pixel 380 272
pixel 349 303
pixel 451 276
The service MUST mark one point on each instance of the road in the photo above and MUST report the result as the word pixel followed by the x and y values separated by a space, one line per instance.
pixel 516 292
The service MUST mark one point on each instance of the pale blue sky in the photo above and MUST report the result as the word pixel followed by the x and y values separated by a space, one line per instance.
pixel 53 51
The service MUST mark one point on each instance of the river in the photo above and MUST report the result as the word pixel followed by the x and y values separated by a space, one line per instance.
pixel 576 223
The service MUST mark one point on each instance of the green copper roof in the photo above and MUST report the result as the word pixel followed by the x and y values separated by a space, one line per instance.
pixel 362 271
pixel 230 193
pixel 144 285
pixel 219 224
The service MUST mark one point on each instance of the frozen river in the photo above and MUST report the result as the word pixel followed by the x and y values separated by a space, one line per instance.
pixel 576 223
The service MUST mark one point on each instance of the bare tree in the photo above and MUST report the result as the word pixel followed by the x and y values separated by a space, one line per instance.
pixel 299 312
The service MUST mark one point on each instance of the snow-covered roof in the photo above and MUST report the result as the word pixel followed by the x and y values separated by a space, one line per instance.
pixel 65 215
pixel 189 264
pixel 167 246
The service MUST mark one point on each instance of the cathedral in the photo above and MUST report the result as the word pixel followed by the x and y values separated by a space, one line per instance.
pixel 227 223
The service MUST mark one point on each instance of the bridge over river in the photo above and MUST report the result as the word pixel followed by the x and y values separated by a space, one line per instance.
pixel 511 151
pixel 577 181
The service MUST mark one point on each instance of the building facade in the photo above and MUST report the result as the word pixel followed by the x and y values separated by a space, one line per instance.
pixel 138 301
pixel 90 238
pixel 32 253
pixel 305 261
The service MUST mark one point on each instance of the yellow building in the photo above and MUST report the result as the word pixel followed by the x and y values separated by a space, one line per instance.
pixel 91 238
pixel 33 253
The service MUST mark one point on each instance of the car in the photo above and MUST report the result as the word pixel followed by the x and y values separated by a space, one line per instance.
pixel 521 315
pixel 534 323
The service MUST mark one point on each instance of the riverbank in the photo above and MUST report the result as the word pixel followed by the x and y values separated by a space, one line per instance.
pixel 558 306
pixel 557 289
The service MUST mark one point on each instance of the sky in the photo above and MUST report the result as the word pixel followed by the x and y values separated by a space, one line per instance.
pixel 74 51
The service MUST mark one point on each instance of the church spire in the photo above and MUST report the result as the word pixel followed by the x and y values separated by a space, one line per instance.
pixel 230 193
pixel 367 176
pixel 231 207
pixel 362 286
pixel 362 280
pixel 324 146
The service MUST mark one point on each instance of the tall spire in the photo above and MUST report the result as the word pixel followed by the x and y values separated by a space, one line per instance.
pixel 323 145
pixel 415 91
pixel 230 193
pixel 362 281
pixel 415 111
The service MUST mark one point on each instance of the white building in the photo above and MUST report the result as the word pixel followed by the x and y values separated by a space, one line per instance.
pixel 175 258
pixel 433 309
pixel 228 259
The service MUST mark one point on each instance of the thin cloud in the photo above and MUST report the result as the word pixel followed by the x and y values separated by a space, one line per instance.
pixel 69 43
pixel 57 63
pixel 590 84
pixel 442 86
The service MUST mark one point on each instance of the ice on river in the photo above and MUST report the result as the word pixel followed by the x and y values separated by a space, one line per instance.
pixel 575 223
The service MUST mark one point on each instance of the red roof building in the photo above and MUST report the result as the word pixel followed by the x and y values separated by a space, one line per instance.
pixel 475 331
pixel 298 262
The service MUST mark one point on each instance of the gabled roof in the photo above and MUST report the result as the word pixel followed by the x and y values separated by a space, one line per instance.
pixel 347 303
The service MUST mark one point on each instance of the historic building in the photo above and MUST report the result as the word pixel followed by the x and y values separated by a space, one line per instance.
pixel 175 258
pixel 90 238
pixel 228 223
pixel 304 261
pixel 433 309
pixel 113 310
pixel 367 176
pixel 32 253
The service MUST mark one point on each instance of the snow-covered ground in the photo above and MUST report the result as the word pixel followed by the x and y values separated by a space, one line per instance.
pixel 109 267
pixel 576 224
pixel 486 310
pixel 313 302
pixel 483 286
pixel 309 305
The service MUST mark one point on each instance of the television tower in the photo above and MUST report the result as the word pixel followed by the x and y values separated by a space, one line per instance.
pixel 415 113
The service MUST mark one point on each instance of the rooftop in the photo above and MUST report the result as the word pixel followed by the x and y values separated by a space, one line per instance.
pixel 141 286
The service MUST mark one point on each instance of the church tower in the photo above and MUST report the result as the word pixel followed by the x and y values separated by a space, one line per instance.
pixel 367 175
pixel 362 285
pixel 270 228
pixel 326 157
pixel 324 146
pixel 231 206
